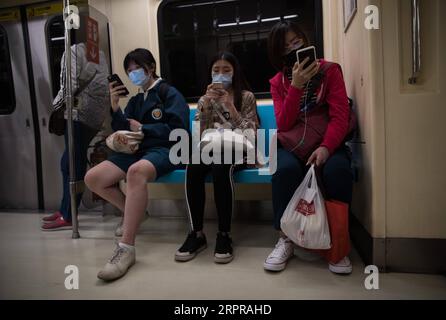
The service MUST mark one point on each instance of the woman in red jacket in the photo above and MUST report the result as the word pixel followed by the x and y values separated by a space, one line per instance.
pixel 292 94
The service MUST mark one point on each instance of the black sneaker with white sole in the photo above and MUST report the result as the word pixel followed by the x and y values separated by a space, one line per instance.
pixel 193 245
pixel 223 248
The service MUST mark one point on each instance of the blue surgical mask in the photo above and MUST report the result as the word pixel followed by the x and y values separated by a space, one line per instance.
pixel 225 78
pixel 138 77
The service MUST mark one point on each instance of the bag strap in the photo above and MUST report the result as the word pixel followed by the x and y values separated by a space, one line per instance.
pixel 162 93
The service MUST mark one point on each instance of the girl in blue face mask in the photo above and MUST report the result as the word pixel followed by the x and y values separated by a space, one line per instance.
pixel 139 77
pixel 155 112
pixel 227 103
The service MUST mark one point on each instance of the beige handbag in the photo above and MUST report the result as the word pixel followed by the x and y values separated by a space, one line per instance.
pixel 125 141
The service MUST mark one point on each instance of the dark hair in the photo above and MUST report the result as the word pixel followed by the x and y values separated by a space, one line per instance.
pixel 143 58
pixel 276 41
pixel 239 82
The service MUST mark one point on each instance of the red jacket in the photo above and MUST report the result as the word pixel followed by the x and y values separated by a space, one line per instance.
pixel 286 100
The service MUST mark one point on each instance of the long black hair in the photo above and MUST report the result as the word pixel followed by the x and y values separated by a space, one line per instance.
pixel 143 58
pixel 239 83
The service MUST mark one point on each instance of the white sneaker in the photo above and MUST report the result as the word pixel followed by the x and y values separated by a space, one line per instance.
pixel 120 262
pixel 278 259
pixel 342 267
pixel 119 231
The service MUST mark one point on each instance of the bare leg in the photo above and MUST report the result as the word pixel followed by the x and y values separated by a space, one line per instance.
pixel 136 203
pixel 102 179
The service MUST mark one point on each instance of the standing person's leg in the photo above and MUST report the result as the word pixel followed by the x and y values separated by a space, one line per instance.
pixel 289 174
pixel 61 220
pixel 337 178
pixel 195 198
pixel 224 200
pixel 83 136
pixel 65 203
pixel 64 168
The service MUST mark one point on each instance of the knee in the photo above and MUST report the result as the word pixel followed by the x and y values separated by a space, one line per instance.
pixel 91 179
pixel 139 174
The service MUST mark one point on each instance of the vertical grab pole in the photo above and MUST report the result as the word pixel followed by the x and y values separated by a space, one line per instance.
pixel 69 104
pixel 416 42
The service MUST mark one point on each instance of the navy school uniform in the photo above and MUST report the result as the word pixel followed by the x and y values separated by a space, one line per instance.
pixel 158 119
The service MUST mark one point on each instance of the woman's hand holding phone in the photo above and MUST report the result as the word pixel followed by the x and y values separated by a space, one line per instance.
pixel 302 74
pixel 116 93
pixel 215 91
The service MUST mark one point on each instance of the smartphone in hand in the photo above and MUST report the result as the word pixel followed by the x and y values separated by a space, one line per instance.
pixel 217 85
pixel 115 78
pixel 309 52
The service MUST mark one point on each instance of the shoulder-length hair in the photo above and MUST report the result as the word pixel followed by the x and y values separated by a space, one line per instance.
pixel 276 42
pixel 239 83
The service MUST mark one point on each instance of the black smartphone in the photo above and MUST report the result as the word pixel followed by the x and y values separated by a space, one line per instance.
pixel 309 52
pixel 114 77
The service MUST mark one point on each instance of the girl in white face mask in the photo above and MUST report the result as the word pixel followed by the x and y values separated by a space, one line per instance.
pixel 227 103
pixel 155 112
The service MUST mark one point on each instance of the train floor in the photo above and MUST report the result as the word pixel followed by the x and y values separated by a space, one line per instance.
pixel 32 266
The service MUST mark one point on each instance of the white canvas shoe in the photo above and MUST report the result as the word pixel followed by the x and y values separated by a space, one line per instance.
pixel 279 257
pixel 117 266
pixel 342 267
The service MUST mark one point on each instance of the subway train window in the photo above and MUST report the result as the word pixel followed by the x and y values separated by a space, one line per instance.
pixel 191 32
pixel 56 47
pixel 7 101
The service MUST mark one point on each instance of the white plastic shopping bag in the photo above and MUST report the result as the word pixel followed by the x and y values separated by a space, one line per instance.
pixel 305 219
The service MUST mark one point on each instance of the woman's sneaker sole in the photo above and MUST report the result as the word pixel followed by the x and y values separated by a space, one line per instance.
pixel 185 258
pixel 274 267
pixel 223 260
pixel 340 270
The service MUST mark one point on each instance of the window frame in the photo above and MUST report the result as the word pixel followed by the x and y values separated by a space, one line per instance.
pixel 13 106
pixel 319 38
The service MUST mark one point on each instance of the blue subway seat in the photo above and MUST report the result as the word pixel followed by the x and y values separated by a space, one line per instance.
pixel 250 176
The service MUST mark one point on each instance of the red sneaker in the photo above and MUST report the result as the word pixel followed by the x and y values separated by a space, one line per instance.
pixel 52 217
pixel 59 224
